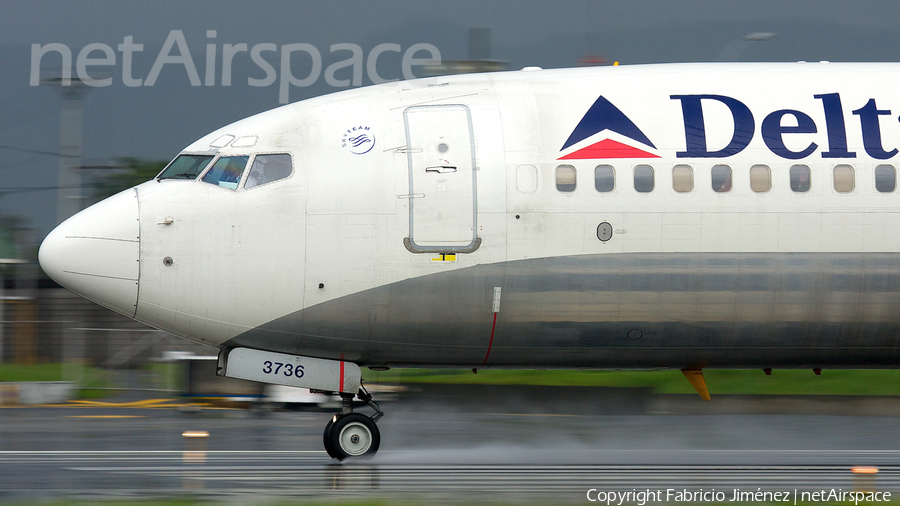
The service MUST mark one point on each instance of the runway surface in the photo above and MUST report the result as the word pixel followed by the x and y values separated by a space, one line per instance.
pixel 431 452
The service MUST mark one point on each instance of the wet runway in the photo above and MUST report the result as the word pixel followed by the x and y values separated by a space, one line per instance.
pixel 432 452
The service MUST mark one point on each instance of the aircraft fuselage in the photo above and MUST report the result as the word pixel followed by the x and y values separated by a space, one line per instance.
pixel 683 216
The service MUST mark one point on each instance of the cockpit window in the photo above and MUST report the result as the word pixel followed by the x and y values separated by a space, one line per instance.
pixel 185 167
pixel 227 172
pixel 268 168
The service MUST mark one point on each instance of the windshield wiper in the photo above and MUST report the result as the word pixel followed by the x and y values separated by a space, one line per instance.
pixel 183 175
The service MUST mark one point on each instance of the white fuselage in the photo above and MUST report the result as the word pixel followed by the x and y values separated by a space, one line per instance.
pixel 411 203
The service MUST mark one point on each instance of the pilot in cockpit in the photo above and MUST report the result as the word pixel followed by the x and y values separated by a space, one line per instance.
pixel 257 172
pixel 233 172
pixel 268 168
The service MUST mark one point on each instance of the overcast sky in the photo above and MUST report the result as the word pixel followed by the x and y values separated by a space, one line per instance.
pixel 155 122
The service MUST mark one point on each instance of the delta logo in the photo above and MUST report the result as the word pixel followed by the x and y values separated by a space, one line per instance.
pixel 596 127
pixel 605 132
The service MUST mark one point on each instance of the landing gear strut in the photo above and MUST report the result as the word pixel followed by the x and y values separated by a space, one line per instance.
pixel 350 434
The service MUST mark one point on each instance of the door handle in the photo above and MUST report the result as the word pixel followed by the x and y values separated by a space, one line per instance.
pixel 440 169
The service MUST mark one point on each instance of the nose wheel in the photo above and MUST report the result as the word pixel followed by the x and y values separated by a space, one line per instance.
pixel 351 434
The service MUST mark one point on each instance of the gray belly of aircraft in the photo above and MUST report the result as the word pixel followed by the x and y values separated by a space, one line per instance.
pixel 615 311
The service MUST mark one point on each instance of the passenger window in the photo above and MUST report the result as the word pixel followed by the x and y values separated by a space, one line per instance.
pixel 682 178
pixel 565 178
pixel 268 168
pixel 844 180
pixel 643 178
pixel 760 178
pixel 604 178
pixel 227 172
pixel 721 178
pixel 885 178
pixel 800 178
pixel 185 167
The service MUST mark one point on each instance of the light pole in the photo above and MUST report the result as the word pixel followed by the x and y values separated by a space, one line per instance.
pixel 71 123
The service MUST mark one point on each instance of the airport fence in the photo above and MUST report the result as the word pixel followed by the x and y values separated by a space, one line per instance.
pixel 46 332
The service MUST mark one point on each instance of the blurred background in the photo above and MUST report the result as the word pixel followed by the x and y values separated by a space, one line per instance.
pixel 66 144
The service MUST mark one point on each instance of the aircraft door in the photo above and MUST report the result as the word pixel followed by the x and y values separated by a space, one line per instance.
pixel 442 182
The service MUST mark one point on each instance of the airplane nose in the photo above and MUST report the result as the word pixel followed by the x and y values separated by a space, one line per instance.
pixel 95 253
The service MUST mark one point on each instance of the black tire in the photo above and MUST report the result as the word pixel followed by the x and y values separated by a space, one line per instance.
pixel 326 438
pixel 354 435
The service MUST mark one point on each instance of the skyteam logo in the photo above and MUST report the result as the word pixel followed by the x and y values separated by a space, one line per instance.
pixel 358 140
pixel 593 136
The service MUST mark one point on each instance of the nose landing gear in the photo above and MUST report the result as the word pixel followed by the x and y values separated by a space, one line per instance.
pixel 350 434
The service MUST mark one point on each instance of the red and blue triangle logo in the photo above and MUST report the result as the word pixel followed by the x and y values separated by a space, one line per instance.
pixel 607 148
pixel 604 116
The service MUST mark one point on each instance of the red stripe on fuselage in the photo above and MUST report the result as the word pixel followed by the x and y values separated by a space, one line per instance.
pixel 607 148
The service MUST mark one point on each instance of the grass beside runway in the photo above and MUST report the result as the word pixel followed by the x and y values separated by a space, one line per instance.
pixel 719 381
pixel 94 382
pixel 88 378
pixel 35 372
pixel 135 502
pixel 237 502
